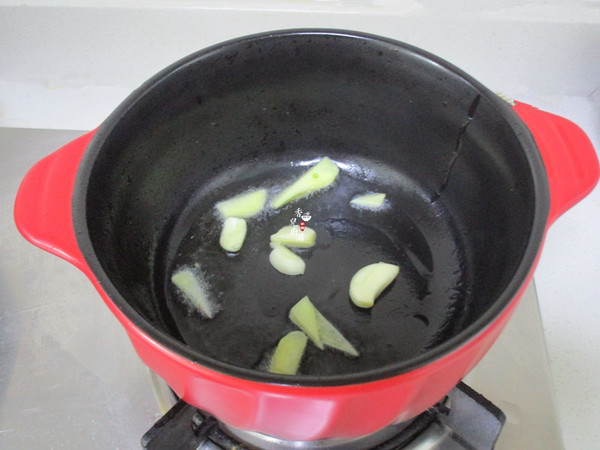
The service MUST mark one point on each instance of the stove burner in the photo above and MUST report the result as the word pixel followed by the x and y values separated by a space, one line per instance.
pixel 463 420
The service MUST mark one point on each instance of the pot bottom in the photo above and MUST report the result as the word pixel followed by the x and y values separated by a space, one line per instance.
pixel 463 419
pixel 262 441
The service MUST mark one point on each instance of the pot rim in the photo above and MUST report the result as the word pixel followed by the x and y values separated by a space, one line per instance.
pixel 521 274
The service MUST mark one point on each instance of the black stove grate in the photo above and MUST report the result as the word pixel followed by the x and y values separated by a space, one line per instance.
pixel 463 420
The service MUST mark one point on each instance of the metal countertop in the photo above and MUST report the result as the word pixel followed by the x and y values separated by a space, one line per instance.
pixel 69 378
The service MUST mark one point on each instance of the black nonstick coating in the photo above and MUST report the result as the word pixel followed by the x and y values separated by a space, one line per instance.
pixel 418 311
pixel 466 207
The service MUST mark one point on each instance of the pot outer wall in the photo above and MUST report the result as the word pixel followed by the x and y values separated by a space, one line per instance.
pixel 312 413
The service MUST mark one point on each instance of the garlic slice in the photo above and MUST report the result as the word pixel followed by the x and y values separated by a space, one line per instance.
pixel 286 261
pixel 290 236
pixel 370 281
pixel 368 201
pixel 233 234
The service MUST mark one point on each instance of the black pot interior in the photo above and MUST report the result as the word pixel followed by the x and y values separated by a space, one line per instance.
pixel 464 218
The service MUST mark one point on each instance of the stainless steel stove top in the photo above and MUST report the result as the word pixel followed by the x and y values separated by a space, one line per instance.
pixel 69 377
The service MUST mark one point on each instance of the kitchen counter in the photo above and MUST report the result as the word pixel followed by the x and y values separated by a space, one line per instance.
pixel 65 66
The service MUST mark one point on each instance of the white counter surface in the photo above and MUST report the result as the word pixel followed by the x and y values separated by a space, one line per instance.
pixel 67 66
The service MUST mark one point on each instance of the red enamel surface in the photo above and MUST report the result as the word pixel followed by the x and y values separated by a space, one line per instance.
pixel 43 204
pixel 570 159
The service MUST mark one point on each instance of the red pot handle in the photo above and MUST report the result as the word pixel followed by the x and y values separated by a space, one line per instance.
pixel 43 204
pixel 570 159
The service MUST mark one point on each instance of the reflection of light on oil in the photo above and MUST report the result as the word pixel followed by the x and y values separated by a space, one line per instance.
pixel 308 162
pixel 347 167
pixel 358 171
